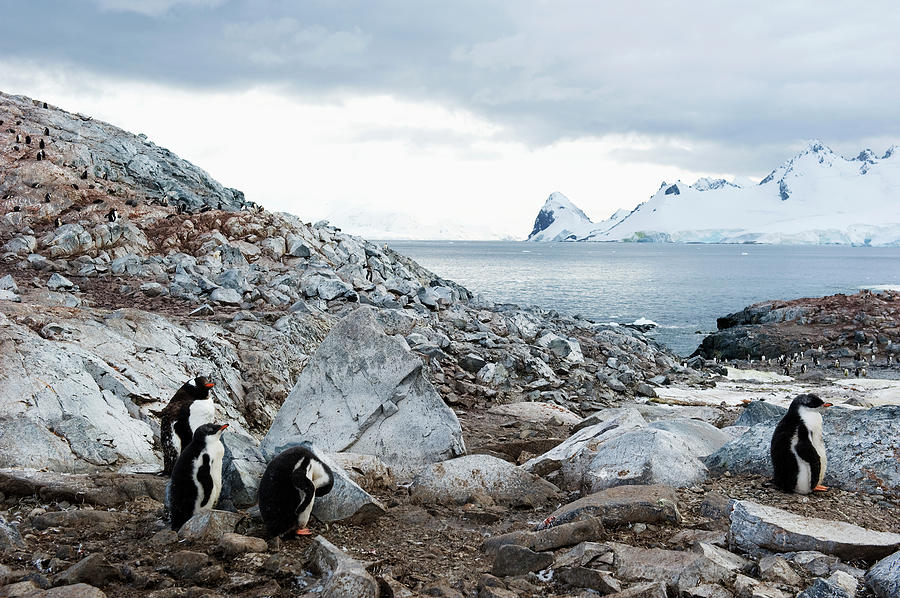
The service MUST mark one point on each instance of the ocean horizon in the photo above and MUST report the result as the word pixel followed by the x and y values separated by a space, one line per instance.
pixel 681 287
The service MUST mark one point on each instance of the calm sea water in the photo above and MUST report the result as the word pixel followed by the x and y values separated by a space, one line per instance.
pixel 683 288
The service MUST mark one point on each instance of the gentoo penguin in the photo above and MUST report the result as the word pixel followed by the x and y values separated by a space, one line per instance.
pixel 197 475
pixel 188 409
pixel 84 175
pixel 41 144
pixel 797 449
pixel 289 486
pixel 112 215
pixel 28 140
pixel 57 222
pixel 46 130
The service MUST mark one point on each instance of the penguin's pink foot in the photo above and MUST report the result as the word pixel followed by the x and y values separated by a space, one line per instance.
pixel 820 488
pixel 304 532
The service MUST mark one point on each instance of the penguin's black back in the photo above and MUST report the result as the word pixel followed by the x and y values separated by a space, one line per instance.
pixel 183 491
pixel 285 491
pixel 784 462
pixel 178 412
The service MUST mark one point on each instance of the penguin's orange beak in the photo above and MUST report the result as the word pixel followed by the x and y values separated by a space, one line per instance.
pixel 827 405
pixel 223 427
pixel 209 385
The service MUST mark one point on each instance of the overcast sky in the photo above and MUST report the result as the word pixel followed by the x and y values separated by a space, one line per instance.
pixel 465 113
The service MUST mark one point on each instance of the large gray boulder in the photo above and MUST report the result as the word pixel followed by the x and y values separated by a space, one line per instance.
pixel 364 391
pixel 480 479
pixel 862 448
pixel 622 450
pixel 755 526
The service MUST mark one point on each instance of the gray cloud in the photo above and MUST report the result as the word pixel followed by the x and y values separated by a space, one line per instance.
pixel 740 83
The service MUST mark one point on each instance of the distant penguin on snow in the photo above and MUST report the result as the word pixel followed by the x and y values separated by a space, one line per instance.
pixel 197 475
pixel 288 488
pixel 188 409
pixel 797 449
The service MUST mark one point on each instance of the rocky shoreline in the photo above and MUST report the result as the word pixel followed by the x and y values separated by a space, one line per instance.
pixel 482 449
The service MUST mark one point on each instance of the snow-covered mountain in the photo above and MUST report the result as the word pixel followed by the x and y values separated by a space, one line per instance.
pixel 561 220
pixel 816 197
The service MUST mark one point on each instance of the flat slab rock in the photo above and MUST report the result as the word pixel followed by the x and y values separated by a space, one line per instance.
pixel 104 489
pixel 755 526
pixel 622 505
pixel 481 479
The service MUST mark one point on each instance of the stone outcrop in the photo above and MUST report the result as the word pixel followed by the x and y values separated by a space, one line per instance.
pixel 833 327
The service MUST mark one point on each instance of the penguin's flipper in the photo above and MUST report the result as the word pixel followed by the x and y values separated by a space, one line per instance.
pixel 204 476
pixel 321 477
pixel 807 452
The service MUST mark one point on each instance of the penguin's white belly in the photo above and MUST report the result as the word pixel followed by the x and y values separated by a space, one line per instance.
pixel 202 412
pixel 216 452
pixel 813 422
pixel 804 472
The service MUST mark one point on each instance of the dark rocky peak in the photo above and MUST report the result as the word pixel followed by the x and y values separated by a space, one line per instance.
pixel 866 155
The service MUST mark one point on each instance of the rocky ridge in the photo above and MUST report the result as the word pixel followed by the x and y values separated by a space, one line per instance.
pixel 835 332
pixel 102 319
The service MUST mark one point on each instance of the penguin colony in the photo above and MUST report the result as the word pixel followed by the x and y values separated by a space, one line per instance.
pixel 798 449
pixel 193 452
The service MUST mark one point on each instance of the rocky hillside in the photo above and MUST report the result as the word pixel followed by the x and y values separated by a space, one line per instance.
pixel 105 319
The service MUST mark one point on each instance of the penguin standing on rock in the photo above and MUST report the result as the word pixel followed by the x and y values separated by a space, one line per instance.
pixel 288 488
pixel 112 215
pixel 797 449
pixel 197 475
pixel 188 409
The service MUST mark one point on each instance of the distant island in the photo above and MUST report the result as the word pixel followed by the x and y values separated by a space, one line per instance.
pixel 817 197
